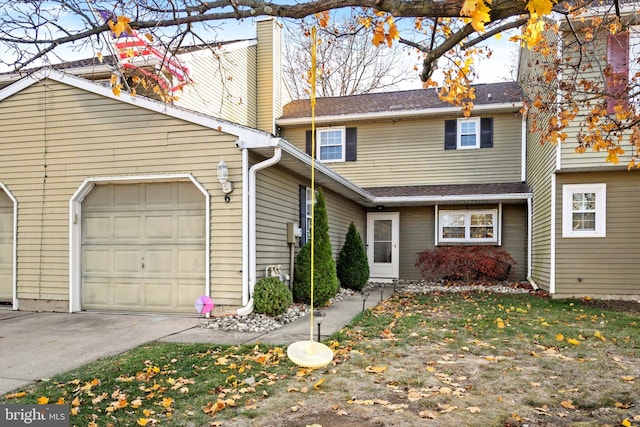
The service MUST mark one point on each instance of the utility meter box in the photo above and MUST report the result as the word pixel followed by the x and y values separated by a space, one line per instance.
pixel 293 232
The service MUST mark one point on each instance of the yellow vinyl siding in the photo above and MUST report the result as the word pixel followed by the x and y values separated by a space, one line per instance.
pixel 223 83
pixel 602 266
pixel 278 203
pixel 411 152
pixel 80 135
pixel 269 79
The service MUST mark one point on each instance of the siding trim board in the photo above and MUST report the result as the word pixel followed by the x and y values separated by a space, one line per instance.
pixel 14 248
pixel 75 232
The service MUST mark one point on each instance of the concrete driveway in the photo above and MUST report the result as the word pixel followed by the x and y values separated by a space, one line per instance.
pixel 34 346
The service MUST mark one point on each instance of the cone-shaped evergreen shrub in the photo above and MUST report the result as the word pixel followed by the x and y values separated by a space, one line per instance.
pixel 353 266
pixel 325 285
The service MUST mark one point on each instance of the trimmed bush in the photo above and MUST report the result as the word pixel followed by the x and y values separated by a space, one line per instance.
pixel 271 297
pixel 482 263
pixel 325 283
pixel 353 265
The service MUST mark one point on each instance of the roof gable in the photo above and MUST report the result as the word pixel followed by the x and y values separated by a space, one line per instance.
pixel 247 135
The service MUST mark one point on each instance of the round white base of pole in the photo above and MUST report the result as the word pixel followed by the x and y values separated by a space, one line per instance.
pixel 310 354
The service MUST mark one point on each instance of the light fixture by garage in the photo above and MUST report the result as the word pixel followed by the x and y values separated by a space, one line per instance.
pixel 223 178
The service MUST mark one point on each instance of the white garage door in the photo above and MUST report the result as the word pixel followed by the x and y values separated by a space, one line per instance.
pixel 143 247
pixel 6 247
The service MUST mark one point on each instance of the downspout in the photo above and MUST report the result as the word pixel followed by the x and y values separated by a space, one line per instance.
pixel 530 245
pixel 277 154
pixel 245 226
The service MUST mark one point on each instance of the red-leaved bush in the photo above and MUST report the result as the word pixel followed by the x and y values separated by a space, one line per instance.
pixel 481 263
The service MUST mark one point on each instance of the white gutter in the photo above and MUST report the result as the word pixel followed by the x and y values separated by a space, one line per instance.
pixel 451 198
pixel 277 154
pixel 502 107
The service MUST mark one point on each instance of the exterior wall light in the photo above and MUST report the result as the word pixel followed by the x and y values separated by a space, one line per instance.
pixel 223 177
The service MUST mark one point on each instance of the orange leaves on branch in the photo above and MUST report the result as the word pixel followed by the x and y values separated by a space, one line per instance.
pixel 478 11
pixel 120 26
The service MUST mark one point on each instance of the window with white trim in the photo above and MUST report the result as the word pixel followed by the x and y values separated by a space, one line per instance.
pixel 468 133
pixel 468 226
pixel 331 144
pixel 584 210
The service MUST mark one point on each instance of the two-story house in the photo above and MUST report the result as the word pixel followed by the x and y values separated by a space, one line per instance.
pixel 434 176
pixel 585 211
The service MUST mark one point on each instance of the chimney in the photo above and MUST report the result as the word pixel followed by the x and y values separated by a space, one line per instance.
pixel 269 73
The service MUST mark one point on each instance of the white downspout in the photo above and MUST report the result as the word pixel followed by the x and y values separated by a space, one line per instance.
pixel 277 154
pixel 245 226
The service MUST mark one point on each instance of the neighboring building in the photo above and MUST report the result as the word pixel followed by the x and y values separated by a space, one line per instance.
pixel 585 227
pixel 436 178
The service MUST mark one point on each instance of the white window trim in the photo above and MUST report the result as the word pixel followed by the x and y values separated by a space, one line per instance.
pixel 459 133
pixel 309 209
pixel 497 225
pixel 600 191
pixel 343 142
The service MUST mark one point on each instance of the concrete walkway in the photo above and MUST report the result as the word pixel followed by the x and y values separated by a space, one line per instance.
pixel 36 346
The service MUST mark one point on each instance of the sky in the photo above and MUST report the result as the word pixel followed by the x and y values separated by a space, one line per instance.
pixel 498 68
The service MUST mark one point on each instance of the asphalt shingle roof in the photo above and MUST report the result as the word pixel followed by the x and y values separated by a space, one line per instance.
pixel 450 190
pixel 409 100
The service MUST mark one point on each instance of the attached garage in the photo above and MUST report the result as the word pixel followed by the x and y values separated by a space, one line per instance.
pixel 143 247
pixel 6 247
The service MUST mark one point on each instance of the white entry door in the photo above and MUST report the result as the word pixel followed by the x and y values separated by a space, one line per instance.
pixel 383 233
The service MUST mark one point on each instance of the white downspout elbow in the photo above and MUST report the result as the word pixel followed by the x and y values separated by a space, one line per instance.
pixel 277 154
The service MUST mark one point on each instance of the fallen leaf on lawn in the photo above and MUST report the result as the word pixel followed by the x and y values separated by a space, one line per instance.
pixel 414 395
pixel 142 421
pixel 428 414
pixel 559 337
pixel 623 405
pixel 573 341
pixel 446 408
pixel 568 404
pixel 628 378
pixel 167 402
pixel 375 369
pixel 136 403
pixel 342 412
pixel 295 408
pixel 534 384
pixel 500 323
pixel 99 399
pixel 16 395
pixel 625 422
pixel 543 410
pixel 473 409
pixel 599 336
pixel 43 400
pixel 318 383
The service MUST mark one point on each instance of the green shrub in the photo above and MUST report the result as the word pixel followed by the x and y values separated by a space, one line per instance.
pixel 483 263
pixel 271 297
pixel 353 265
pixel 325 279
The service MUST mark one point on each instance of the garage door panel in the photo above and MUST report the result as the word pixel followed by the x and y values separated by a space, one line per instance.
pixel 162 194
pixel 96 294
pixel 160 227
pixel 127 262
pixel 149 252
pixel 127 295
pixel 159 262
pixel 98 228
pixel 126 227
pixel 190 227
pixel 126 195
pixel 190 262
pixel 97 262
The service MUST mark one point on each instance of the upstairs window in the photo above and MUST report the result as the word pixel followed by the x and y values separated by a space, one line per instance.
pixel 468 133
pixel 331 145
pixel 468 226
pixel 335 144
pixel 584 210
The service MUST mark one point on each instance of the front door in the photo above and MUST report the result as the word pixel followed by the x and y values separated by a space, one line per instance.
pixel 383 233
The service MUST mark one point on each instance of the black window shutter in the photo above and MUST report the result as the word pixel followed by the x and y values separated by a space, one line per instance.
pixel 351 139
pixel 308 141
pixel 302 190
pixel 450 134
pixel 486 132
